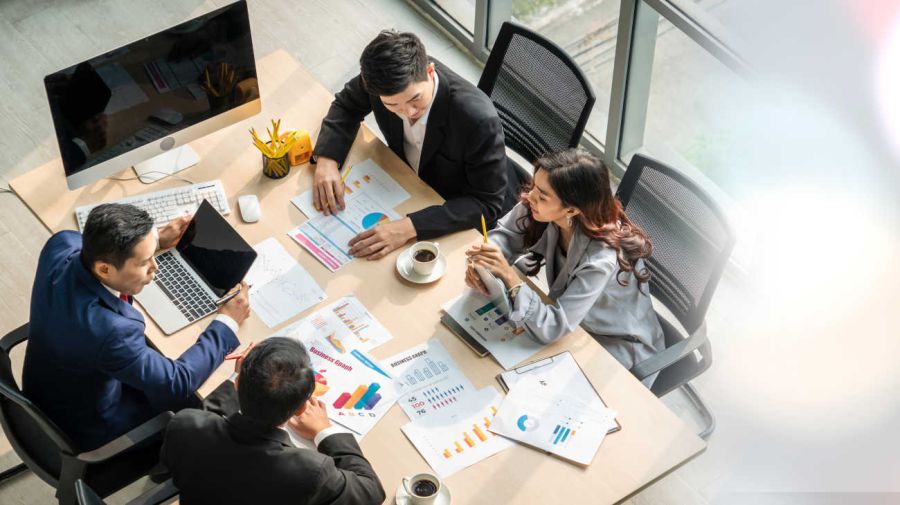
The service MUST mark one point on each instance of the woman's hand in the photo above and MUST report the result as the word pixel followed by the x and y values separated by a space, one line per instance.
pixel 490 257
pixel 473 280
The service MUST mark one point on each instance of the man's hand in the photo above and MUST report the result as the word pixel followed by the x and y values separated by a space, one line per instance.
pixel 313 420
pixel 238 308
pixel 490 257
pixel 376 242
pixel 328 190
pixel 172 232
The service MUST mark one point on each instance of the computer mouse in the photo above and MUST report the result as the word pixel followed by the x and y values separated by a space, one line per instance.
pixel 250 210
pixel 167 115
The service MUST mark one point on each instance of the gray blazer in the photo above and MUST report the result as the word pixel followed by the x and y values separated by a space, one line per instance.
pixel 584 291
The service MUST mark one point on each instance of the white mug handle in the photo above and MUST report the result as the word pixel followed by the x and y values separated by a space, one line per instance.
pixel 405 481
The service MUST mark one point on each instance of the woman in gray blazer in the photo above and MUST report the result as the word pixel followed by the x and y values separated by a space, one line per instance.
pixel 569 220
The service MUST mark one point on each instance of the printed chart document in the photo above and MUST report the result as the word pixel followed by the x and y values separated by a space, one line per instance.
pixel 280 287
pixel 346 324
pixel 456 438
pixel 557 376
pixel 327 237
pixel 562 425
pixel 357 392
pixel 427 380
pixel 490 326
pixel 365 178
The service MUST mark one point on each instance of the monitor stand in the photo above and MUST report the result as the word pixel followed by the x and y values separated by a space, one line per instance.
pixel 166 164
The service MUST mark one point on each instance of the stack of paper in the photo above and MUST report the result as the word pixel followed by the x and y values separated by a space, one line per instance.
pixel 552 406
pixel 486 322
pixel 450 419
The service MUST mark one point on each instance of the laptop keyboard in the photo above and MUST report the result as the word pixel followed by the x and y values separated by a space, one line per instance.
pixel 182 288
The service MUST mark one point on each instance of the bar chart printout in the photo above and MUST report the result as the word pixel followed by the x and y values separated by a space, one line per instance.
pixel 451 443
pixel 427 380
pixel 561 425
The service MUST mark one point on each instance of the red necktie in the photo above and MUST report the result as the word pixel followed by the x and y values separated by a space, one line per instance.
pixel 124 298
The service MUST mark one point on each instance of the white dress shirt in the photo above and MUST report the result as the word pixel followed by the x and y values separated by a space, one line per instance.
pixel 414 134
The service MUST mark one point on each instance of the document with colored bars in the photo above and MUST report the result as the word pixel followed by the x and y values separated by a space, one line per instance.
pixel 450 419
pixel 370 195
pixel 356 390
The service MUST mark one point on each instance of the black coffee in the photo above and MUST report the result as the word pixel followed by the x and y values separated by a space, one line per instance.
pixel 424 487
pixel 424 255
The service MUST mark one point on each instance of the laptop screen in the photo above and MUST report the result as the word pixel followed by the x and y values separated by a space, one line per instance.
pixel 215 250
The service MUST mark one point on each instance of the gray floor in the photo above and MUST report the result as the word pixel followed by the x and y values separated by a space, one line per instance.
pixel 42 36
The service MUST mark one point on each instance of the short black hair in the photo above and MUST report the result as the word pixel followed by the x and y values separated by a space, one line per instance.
pixel 276 379
pixel 391 62
pixel 111 232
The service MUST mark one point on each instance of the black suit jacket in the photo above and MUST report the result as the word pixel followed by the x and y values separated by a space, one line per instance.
pixel 463 155
pixel 219 460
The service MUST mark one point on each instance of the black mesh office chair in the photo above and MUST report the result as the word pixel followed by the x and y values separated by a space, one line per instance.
pixel 52 456
pixel 543 98
pixel 691 245
pixel 158 494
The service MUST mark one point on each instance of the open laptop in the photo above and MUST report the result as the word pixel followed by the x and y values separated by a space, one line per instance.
pixel 209 260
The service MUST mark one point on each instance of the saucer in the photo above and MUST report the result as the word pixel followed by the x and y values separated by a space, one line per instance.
pixel 405 268
pixel 402 497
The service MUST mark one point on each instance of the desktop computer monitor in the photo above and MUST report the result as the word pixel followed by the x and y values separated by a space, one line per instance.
pixel 141 103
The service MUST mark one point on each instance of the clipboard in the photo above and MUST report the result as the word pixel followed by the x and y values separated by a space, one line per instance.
pixel 537 365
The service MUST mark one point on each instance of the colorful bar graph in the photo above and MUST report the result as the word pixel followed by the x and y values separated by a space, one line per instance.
pixel 562 433
pixel 360 391
pixel 479 433
pixel 341 400
pixel 372 402
pixel 367 397
pixel 468 439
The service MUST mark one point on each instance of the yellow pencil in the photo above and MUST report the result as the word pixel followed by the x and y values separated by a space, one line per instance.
pixel 344 177
pixel 484 229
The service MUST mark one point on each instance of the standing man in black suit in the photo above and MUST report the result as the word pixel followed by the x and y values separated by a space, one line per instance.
pixel 248 457
pixel 445 128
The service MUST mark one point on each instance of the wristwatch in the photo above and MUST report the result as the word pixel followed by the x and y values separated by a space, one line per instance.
pixel 514 291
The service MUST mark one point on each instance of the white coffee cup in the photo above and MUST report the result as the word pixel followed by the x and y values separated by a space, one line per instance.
pixel 420 249
pixel 422 488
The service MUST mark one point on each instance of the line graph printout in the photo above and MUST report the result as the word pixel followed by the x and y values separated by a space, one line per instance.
pixel 428 380
pixel 280 287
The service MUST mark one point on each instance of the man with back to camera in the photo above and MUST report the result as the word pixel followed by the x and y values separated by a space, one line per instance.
pixel 87 364
pixel 248 458
pixel 445 128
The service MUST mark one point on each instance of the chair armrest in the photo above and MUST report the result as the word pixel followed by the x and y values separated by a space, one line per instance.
pixel 14 338
pixel 121 444
pixel 671 354
pixel 156 494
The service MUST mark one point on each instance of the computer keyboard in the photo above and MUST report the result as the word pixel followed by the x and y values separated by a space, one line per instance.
pixel 168 204
pixel 182 288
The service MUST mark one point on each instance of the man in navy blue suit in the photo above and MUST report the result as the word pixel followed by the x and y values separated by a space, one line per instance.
pixel 87 363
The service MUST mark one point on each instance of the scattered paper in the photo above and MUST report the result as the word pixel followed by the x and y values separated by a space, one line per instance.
pixel 428 381
pixel 365 178
pixel 356 391
pixel 490 326
pixel 461 437
pixel 562 425
pixel 327 237
pixel 280 287
pixel 346 323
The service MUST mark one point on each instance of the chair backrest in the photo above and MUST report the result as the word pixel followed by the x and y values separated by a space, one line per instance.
pixel 543 98
pixel 691 238
pixel 35 438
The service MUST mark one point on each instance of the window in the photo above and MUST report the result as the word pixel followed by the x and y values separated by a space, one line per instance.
pixel 462 11
pixel 680 106
pixel 586 30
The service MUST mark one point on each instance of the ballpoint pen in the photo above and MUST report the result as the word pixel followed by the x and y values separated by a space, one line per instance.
pixel 227 298
pixel 344 177
pixel 484 229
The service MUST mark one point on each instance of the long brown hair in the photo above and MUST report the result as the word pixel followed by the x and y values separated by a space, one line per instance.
pixel 581 181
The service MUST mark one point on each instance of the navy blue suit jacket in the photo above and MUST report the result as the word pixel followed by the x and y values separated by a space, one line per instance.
pixel 87 363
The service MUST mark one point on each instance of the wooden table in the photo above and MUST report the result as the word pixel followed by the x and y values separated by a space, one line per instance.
pixel 652 441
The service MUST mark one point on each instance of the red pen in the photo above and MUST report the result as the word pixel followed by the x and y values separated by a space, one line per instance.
pixel 234 356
